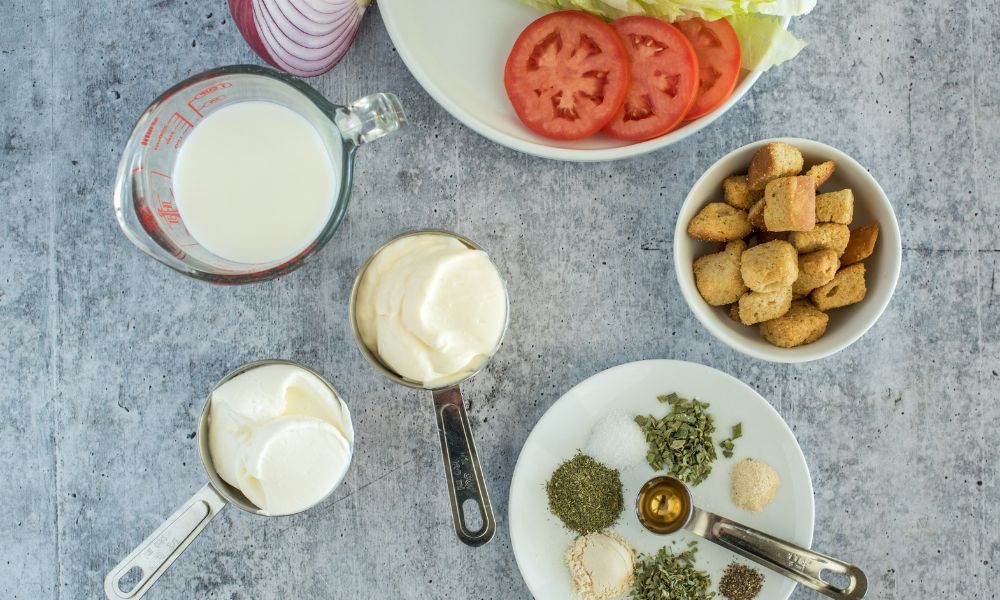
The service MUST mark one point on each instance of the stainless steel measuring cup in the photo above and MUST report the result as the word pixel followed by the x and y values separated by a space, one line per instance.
pixel 798 563
pixel 140 569
pixel 458 449
pixel 144 201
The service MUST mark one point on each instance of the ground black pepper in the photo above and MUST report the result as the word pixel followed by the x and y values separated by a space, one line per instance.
pixel 740 582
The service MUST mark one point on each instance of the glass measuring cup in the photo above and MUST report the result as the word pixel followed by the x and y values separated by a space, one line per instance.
pixel 458 448
pixel 144 565
pixel 664 506
pixel 144 202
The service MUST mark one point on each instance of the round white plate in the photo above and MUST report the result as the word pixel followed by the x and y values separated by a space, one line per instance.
pixel 539 539
pixel 456 49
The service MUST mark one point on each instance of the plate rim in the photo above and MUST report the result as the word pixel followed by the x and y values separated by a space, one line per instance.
pixel 519 465
pixel 552 152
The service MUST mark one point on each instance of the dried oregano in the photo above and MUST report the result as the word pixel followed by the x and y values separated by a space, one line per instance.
pixel 681 442
pixel 666 575
pixel 727 444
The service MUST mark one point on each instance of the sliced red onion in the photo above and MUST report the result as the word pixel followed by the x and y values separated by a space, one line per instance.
pixel 303 37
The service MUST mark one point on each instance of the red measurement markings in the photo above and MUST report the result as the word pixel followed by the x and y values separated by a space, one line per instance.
pixel 198 102
pixel 176 125
pixel 149 132
pixel 167 211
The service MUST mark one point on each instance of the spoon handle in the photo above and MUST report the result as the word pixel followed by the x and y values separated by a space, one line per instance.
pixel 800 564
pixel 132 577
pixel 461 465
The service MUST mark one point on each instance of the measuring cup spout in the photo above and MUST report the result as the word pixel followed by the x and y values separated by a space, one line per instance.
pixel 370 118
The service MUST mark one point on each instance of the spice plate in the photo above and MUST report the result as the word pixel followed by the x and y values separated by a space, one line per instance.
pixel 539 539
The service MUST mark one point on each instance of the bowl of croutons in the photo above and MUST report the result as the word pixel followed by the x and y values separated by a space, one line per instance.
pixel 787 250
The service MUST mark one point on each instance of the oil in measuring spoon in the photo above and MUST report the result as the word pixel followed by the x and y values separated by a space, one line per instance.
pixel 663 505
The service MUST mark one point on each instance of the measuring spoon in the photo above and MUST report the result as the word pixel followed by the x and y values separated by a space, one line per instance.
pixel 140 569
pixel 458 449
pixel 664 506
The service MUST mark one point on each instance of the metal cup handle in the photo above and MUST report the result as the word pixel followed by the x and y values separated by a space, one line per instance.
pixel 461 466
pixel 163 546
pixel 801 564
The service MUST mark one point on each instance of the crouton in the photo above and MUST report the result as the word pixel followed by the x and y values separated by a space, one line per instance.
pixel 815 269
pixel 734 312
pixel 769 267
pixel 802 324
pixel 790 204
pixel 736 192
pixel 861 245
pixel 771 162
pixel 719 222
pixel 835 207
pixel 756 307
pixel 717 276
pixel 832 236
pixel 756 214
pixel 821 172
pixel 846 288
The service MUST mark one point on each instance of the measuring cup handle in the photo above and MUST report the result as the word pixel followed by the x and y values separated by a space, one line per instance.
pixel 370 118
pixel 461 465
pixel 801 564
pixel 163 546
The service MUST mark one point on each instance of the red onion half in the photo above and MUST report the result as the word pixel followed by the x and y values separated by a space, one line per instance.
pixel 303 37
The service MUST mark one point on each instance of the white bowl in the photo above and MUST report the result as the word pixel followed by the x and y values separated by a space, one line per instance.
pixel 456 49
pixel 847 324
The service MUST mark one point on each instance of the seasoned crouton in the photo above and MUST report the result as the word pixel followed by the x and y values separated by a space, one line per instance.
pixel 756 307
pixel 847 287
pixel 815 269
pixel 734 312
pixel 756 214
pixel 835 207
pixel 772 161
pixel 717 276
pixel 861 245
pixel 719 222
pixel 802 324
pixel 736 192
pixel 821 172
pixel 832 236
pixel 790 204
pixel 769 267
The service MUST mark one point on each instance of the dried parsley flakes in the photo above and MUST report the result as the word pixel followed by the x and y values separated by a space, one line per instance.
pixel 668 575
pixel 727 444
pixel 681 442
pixel 585 495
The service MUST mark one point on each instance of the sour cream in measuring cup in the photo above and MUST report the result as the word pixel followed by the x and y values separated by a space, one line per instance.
pixel 431 308
pixel 281 436
pixel 254 183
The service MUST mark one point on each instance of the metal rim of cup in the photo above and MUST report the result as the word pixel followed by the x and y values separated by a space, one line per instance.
pixel 231 493
pixel 374 360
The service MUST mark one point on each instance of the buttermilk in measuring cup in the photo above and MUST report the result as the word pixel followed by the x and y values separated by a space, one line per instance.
pixel 254 183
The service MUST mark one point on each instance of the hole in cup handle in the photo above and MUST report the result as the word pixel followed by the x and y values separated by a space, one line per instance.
pixel 370 118
pixel 466 485
pixel 131 578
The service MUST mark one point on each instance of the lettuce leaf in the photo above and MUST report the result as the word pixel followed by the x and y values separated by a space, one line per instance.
pixel 764 42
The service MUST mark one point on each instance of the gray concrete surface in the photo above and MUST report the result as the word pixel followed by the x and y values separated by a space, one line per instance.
pixel 107 355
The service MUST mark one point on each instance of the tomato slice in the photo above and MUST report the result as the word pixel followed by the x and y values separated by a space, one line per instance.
pixel 719 57
pixel 566 75
pixel 664 79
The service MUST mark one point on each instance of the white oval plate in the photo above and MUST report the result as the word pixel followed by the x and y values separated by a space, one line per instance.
pixel 456 49
pixel 539 539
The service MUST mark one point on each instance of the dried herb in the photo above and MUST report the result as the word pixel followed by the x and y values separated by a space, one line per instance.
pixel 666 575
pixel 740 582
pixel 585 495
pixel 681 442
pixel 727 444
